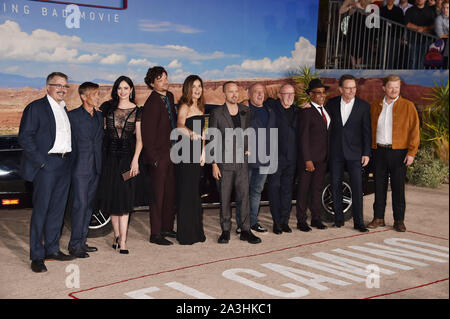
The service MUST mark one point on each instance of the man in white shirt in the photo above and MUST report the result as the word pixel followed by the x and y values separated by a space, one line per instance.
pixel 395 142
pixel 45 137
pixel 350 142
pixel 313 145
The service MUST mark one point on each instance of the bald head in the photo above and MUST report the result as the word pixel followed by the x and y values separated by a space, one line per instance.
pixel 256 94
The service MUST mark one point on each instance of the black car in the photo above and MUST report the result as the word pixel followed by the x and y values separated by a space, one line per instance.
pixel 16 193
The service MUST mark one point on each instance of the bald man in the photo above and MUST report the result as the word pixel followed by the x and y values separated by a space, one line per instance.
pixel 281 182
pixel 262 119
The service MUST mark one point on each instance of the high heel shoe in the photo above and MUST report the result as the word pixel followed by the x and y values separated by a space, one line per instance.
pixel 124 251
pixel 116 245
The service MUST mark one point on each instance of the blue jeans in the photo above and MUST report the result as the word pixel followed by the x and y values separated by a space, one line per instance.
pixel 257 181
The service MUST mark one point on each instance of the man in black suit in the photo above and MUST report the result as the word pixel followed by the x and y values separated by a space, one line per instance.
pixel 350 142
pixel 45 137
pixel 87 137
pixel 281 182
pixel 313 144
pixel 231 168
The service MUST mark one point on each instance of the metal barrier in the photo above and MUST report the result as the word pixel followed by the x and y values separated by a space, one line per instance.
pixel 353 45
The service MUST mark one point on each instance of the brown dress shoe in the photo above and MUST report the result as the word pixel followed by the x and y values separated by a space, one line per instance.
pixel 399 226
pixel 376 222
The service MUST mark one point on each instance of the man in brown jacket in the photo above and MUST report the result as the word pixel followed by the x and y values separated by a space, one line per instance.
pixel 159 118
pixel 395 141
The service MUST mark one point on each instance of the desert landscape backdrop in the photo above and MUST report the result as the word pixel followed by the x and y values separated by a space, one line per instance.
pixel 13 101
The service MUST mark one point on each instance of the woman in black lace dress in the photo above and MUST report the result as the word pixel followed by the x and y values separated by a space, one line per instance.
pixel 191 122
pixel 121 149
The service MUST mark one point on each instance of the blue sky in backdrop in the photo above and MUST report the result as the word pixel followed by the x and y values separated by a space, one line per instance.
pixel 215 39
pixel 231 39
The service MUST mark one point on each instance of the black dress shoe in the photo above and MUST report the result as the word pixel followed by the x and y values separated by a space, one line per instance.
pixel 277 229
pixel 258 228
pixel 60 256
pixel 89 249
pixel 224 237
pixel 318 224
pixel 38 265
pixel 160 240
pixel 361 228
pixel 339 224
pixel 303 227
pixel 124 251
pixel 285 228
pixel 249 237
pixel 79 254
pixel 169 233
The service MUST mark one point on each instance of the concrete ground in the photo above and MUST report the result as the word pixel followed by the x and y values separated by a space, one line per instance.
pixel 332 263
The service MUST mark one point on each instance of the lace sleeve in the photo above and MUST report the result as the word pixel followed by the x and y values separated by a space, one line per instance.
pixel 138 113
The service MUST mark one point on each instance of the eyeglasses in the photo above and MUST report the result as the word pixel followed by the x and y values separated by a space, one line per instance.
pixel 319 93
pixel 60 86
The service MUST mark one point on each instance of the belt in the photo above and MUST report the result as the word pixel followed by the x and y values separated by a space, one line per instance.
pixel 388 146
pixel 62 155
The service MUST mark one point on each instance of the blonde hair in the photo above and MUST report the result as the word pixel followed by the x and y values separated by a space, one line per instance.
pixel 391 78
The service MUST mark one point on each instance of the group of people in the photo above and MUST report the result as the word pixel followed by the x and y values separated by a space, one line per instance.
pixel 122 156
pixel 427 17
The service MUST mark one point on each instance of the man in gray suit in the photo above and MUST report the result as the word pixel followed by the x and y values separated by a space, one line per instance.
pixel 230 169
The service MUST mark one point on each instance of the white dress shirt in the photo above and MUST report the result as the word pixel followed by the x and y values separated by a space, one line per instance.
pixel 384 125
pixel 346 109
pixel 324 112
pixel 63 139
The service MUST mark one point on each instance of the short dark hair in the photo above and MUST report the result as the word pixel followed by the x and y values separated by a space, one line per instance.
pixel 153 74
pixel 346 77
pixel 226 83
pixel 85 87
pixel 53 74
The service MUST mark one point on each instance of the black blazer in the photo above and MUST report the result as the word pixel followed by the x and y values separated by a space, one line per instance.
pixel 287 132
pixel 313 136
pixel 37 133
pixel 87 152
pixel 354 139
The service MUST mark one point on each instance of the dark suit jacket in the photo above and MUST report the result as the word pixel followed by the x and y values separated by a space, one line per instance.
pixel 354 139
pixel 156 128
pixel 37 133
pixel 287 133
pixel 256 124
pixel 313 136
pixel 87 152
pixel 221 119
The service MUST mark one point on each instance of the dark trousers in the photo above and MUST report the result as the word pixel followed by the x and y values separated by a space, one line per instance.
pixel 354 169
pixel 237 180
pixel 280 191
pixel 310 188
pixel 389 164
pixel 162 208
pixel 84 189
pixel 50 191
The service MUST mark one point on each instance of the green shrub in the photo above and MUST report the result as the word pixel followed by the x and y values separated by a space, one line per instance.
pixel 427 170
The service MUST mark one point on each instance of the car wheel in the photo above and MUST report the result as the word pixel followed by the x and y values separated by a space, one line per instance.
pixel 327 199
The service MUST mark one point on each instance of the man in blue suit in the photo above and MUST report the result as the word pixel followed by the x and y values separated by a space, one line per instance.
pixel 350 143
pixel 281 182
pixel 45 137
pixel 87 137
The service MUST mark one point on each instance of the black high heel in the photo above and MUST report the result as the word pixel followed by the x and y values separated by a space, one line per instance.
pixel 124 251
pixel 116 245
